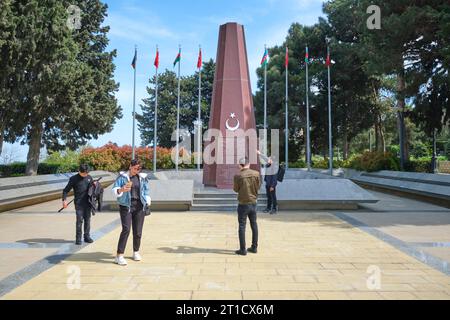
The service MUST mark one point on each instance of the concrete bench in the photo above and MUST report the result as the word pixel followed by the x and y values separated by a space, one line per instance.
pixel 167 195
pixel 171 190
pixel 17 192
pixel 321 193
pixel 426 185
pixel 429 178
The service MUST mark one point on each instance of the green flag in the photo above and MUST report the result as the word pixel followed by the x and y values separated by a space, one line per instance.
pixel 177 59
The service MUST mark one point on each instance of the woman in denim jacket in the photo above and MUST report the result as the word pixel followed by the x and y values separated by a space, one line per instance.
pixel 132 193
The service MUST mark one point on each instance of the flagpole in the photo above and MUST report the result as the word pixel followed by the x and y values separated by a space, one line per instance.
pixel 199 132
pixel 330 137
pixel 178 113
pixel 134 104
pixel 308 147
pixel 286 115
pixel 155 131
pixel 265 103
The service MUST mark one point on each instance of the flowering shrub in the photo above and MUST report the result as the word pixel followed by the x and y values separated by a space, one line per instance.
pixel 113 158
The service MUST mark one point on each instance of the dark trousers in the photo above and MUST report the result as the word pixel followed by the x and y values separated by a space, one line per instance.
pixel 83 215
pixel 271 198
pixel 249 211
pixel 131 218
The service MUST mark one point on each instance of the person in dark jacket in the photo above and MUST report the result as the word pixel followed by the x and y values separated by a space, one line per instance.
pixel 270 178
pixel 80 184
pixel 271 190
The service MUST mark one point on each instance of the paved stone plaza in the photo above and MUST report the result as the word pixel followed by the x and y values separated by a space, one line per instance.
pixel 190 255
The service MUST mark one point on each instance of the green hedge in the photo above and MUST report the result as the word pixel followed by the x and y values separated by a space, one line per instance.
pixel 18 169
pixel 317 163
pixel 373 161
pixel 418 165
pixel 297 164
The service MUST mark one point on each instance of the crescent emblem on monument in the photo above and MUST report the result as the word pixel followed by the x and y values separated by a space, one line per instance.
pixel 227 125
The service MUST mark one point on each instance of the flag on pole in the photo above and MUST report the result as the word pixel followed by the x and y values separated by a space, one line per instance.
pixel 286 59
pixel 133 63
pixel 177 59
pixel 308 142
pixel 199 61
pixel 328 61
pixel 265 58
pixel 156 63
pixel 286 129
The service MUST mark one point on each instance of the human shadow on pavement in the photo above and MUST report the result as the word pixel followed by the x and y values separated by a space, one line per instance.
pixel 189 250
pixel 44 241
pixel 97 257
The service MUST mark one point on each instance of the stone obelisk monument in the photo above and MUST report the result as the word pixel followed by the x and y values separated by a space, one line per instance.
pixel 232 111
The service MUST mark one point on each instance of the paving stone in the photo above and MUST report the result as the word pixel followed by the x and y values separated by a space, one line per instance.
pixel 291 263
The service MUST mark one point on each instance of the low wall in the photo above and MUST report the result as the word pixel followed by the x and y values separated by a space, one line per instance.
pixel 18 192
pixel 166 195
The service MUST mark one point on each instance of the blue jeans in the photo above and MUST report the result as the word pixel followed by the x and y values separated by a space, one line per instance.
pixel 244 211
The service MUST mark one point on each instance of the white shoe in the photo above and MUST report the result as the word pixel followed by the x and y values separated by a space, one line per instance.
pixel 137 256
pixel 120 260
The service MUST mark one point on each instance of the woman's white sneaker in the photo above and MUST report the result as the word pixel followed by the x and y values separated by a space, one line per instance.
pixel 120 260
pixel 137 256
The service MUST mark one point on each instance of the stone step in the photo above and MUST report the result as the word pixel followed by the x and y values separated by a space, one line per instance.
pixel 221 196
pixel 222 201
pixel 215 207
pixel 215 195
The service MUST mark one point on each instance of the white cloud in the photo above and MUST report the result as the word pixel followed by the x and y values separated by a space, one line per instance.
pixel 219 20
pixel 136 29
pixel 296 4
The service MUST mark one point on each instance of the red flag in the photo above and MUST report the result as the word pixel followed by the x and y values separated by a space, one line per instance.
pixel 328 61
pixel 286 60
pixel 199 61
pixel 156 63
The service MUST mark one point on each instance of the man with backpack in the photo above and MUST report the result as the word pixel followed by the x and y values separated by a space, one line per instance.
pixel 271 177
pixel 80 184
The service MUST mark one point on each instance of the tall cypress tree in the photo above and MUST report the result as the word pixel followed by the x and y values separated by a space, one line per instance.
pixel 64 86
pixel 11 121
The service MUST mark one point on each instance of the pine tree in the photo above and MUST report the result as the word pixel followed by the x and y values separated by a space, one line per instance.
pixel 167 105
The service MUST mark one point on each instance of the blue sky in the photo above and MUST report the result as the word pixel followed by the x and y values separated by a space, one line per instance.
pixel 189 24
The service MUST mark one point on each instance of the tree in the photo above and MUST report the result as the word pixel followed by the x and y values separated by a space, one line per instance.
pixel 352 99
pixel 408 28
pixel 93 107
pixel 64 77
pixel 11 119
pixel 430 73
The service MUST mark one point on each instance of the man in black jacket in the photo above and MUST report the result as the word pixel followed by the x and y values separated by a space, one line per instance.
pixel 271 184
pixel 270 178
pixel 80 184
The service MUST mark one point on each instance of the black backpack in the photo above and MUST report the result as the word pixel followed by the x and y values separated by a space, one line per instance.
pixel 95 196
pixel 280 174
